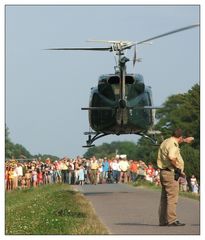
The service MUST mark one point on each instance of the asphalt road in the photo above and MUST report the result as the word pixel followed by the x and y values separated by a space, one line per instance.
pixel 129 210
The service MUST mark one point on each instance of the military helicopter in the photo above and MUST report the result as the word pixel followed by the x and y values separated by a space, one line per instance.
pixel 121 103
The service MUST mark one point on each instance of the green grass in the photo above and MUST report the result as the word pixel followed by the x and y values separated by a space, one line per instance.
pixel 144 183
pixel 147 184
pixel 49 210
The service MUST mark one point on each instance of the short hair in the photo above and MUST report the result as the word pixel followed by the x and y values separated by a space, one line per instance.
pixel 177 133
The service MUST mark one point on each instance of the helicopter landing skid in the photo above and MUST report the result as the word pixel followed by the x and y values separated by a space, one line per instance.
pixel 152 139
pixel 92 139
pixel 100 135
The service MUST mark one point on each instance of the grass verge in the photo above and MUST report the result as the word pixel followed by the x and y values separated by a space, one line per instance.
pixel 147 184
pixel 50 210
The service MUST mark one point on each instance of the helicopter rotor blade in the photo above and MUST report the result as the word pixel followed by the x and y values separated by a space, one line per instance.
pixel 98 108
pixel 83 49
pixel 169 33
pixel 145 107
pixel 104 41
pixel 122 45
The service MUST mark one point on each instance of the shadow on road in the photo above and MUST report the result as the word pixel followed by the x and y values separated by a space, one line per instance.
pixel 103 193
pixel 136 224
pixel 97 193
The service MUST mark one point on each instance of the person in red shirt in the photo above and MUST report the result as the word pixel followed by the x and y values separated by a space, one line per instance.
pixel 133 170
pixel 40 177
pixel 150 173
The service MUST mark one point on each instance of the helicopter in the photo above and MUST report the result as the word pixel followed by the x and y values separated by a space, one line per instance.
pixel 121 103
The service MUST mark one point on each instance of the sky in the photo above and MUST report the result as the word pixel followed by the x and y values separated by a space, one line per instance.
pixel 45 90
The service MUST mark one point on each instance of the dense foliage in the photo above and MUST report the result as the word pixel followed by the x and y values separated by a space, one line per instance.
pixel 14 150
pixel 181 110
pixel 110 150
pixel 17 151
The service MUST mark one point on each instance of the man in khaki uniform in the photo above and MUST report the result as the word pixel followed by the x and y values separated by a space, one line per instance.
pixel 171 164
pixel 94 169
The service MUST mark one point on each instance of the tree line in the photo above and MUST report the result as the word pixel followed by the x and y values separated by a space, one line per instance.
pixel 18 151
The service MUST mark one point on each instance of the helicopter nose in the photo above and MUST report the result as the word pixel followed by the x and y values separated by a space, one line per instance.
pixel 122 103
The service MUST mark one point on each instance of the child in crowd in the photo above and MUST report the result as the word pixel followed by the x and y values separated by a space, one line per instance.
pixel 81 175
pixel 28 179
pixel 23 183
pixel 40 177
pixel 34 178
pixel 194 184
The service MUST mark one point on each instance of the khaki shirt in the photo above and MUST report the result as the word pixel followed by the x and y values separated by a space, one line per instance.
pixel 169 148
pixel 64 166
pixel 94 165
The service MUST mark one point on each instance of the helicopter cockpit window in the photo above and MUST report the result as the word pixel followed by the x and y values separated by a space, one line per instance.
pixel 114 80
pixel 129 80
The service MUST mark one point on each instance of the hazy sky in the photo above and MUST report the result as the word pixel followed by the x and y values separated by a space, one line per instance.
pixel 45 90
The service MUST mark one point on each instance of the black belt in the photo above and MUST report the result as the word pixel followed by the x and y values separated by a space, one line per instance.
pixel 165 169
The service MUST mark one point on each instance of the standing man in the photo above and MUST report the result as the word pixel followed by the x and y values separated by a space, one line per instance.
pixel 115 168
pixel 94 168
pixel 64 170
pixel 124 166
pixel 171 167
pixel 106 167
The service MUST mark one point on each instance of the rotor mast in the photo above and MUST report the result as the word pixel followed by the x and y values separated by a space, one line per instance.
pixel 122 67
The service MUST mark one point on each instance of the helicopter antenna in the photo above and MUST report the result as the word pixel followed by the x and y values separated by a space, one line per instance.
pixel 135 57
pixel 115 57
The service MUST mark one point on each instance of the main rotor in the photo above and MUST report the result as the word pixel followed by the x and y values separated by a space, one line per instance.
pixel 119 46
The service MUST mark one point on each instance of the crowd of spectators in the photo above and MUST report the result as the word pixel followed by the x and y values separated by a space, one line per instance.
pixel 34 173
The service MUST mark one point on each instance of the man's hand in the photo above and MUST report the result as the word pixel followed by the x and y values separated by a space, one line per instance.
pixel 178 173
pixel 188 139
pixel 183 174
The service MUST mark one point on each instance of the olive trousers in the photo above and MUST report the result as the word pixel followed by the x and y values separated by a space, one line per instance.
pixel 93 176
pixel 169 198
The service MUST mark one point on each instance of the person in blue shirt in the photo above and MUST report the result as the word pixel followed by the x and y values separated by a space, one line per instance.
pixel 106 166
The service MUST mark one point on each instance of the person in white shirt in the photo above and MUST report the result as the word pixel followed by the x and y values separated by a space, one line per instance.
pixel 124 166
pixel 19 170
pixel 115 167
